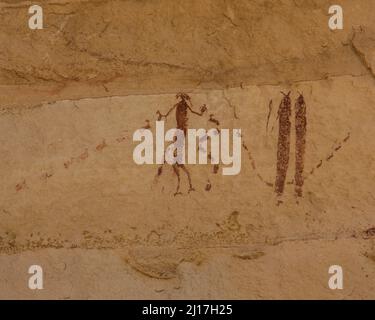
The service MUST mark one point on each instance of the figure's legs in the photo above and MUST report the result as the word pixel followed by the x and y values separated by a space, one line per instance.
pixel 160 170
pixel 158 174
pixel 188 175
pixel 177 172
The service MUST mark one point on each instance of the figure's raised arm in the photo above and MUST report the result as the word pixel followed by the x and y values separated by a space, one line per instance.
pixel 160 116
pixel 203 109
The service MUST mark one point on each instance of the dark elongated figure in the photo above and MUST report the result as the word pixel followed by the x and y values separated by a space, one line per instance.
pixel 300 111
pixel 283 145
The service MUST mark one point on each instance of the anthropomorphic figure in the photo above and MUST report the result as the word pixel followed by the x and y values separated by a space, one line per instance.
pixel 182 107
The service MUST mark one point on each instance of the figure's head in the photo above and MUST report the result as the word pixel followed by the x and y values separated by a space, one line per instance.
pixel 300 100
pixel 182 96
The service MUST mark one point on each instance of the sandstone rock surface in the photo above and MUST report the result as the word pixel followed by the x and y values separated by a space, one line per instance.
pixel 73 201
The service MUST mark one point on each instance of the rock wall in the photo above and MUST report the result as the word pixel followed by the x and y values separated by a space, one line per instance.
pixel 73 201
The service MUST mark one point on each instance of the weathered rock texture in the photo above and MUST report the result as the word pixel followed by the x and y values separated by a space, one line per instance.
pixel 73 201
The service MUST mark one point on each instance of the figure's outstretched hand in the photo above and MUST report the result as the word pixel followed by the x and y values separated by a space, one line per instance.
pixel 160 116
pixel 203 108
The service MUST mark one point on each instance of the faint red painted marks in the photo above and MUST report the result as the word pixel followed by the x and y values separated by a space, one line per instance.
pixel 84 155
pixel 101 146
pixel 369 233
pixel 147 126
pixel 213 120
pixel 216 168
pixel 337 147
pixel 47 175
pixel 269 114
pixel 20 186
pixel 74 160
pixel 105 88
pixel 249 155
pixel 283 145
pixel 160 171
pixel 68 163
pixel 253 165
pixel 245 146
pixel 120 139
pixel 208 186
pixel 300 123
